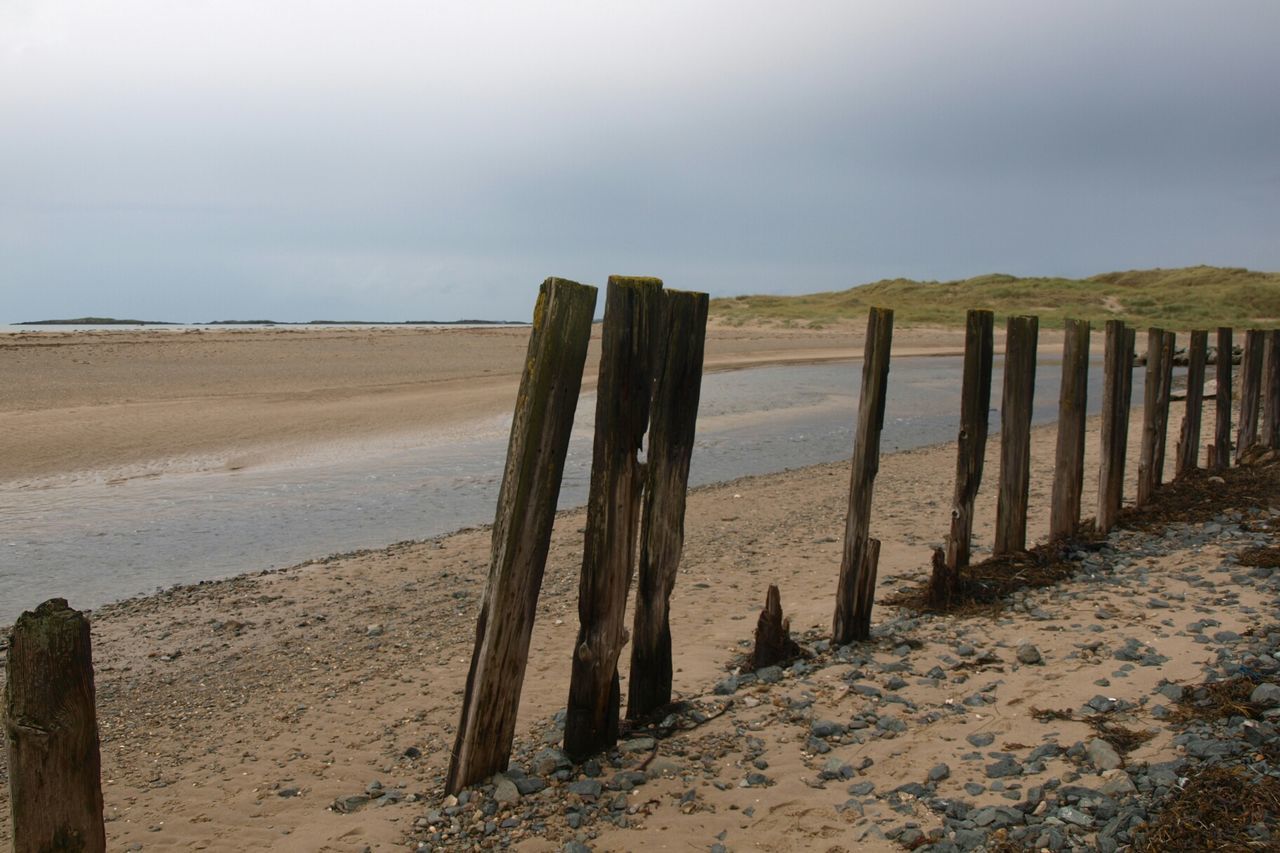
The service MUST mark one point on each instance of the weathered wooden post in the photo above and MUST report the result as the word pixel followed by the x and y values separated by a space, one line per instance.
pixel 536 453
pixel 1015 434
pixel 1116 395
pixel 628 358
pixel 1189 437
pixel 855 592
pixel 1155 413
pixel 51 726
pixel 975 415
pixel 1222 403
pixel 1073 397
pixel 773 634
pixel 1271 391
pixel 671 432
pixel 1250 391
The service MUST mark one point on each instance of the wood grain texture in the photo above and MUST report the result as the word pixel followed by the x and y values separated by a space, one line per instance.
pixel 1073 399
pixel 672 423
pixel 1015 434
pixel 1116 398
pixel 1155 413
pixel 971 451
pixel 853 603
pixel 1188 459
pixel 1270 436
pixel 1221 456
pixel 51 728
pixel 773 634
pixel 539 442
pixel 628 362
pixel 1250 391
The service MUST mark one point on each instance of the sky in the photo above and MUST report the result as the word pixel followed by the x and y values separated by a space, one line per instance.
pixel 194 160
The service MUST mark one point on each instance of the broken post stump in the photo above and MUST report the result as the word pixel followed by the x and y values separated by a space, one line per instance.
pixel 853 603
pixel 628 358
pixel 536 453
pixel 672 422
pixel 1250 391
pixel 1155 413
pixel 971 452
pixel 1068 475
pixel 773 634
pixel 1116 396
pixel 1015 434
pixel 1221 456
pixel 1189 437
pixel 51 727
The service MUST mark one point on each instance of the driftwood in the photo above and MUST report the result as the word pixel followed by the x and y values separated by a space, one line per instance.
pixel 1189 436
pixel 628 358
pixel 50 724
pixel 1068 475
pixel 536 453
pixel 855 592
pixel 1015 434
pixel 773 634
pixel 1116 395
pixel 671 432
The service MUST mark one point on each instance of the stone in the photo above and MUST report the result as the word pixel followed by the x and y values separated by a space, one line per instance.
pixel 1029 654
pixel 1103 755
pixel 588 789
pixel 1267 695
pixel 1117 784
pixel 939 772
pixel 826 728
pixel 981 739
pixel 505 790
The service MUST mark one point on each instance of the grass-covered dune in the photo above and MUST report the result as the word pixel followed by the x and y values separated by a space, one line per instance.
pixel 1192 297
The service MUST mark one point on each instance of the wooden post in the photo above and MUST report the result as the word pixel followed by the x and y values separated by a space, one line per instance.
pixel 1116 394
pixel 51 726
pixel 1068 475
pixel 1250 390
pixel 628 357
pixel 1189 437
pixel 536 453
pixel 671 433
pixel 1155 413
pixel 975 415
pixel 1222 402
pixel 773 634
pixel 1015 434
pixel 1271 391
pixel 855 592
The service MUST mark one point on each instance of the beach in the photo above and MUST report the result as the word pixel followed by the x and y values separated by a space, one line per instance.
pixel 256 712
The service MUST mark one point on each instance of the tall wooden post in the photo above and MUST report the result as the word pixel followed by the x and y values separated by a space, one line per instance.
pixel 855 592
pixel 1271 390
pixel 536 453
pixel 628 358
pixel 51 726
pixel 1250 391
pixel 971 443
pixel 1116 395
pixel 1155 413
pixel 1222 402
pixel 671 432
pixel 1189 437
pixel 1068 475
pixel 1015 434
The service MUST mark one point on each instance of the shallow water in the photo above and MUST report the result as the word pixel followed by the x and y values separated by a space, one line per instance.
pixel 94 542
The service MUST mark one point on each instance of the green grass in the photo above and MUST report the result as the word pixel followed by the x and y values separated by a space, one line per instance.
pixel 1192 297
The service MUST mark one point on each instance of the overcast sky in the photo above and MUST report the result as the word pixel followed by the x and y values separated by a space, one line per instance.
pixel 202 159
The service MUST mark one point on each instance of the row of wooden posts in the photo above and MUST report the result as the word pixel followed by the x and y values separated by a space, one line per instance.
pixel 650 375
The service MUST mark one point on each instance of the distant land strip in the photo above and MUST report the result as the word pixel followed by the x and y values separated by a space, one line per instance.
pixel 1186 298
pixel 115 321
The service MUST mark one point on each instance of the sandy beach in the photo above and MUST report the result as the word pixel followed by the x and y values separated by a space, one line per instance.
pixel 257 712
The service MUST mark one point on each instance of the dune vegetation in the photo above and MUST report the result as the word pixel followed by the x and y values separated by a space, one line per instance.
pixel 1191 297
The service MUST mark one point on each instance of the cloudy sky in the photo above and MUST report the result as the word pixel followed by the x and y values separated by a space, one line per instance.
pixel 299 159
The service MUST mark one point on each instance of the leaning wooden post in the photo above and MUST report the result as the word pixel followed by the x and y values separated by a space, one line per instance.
pixel 671 432
pixel 1015 434
pixel 1271 390
pixel 1068 474
pixel 1155 413
pixel 1116 394
pixel 1250 390
pixel 51 726
pixel 1222 402
pixel 975 415
pixel 855 592
pixel 536 453
pixel 1189 437
pixel 628 357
